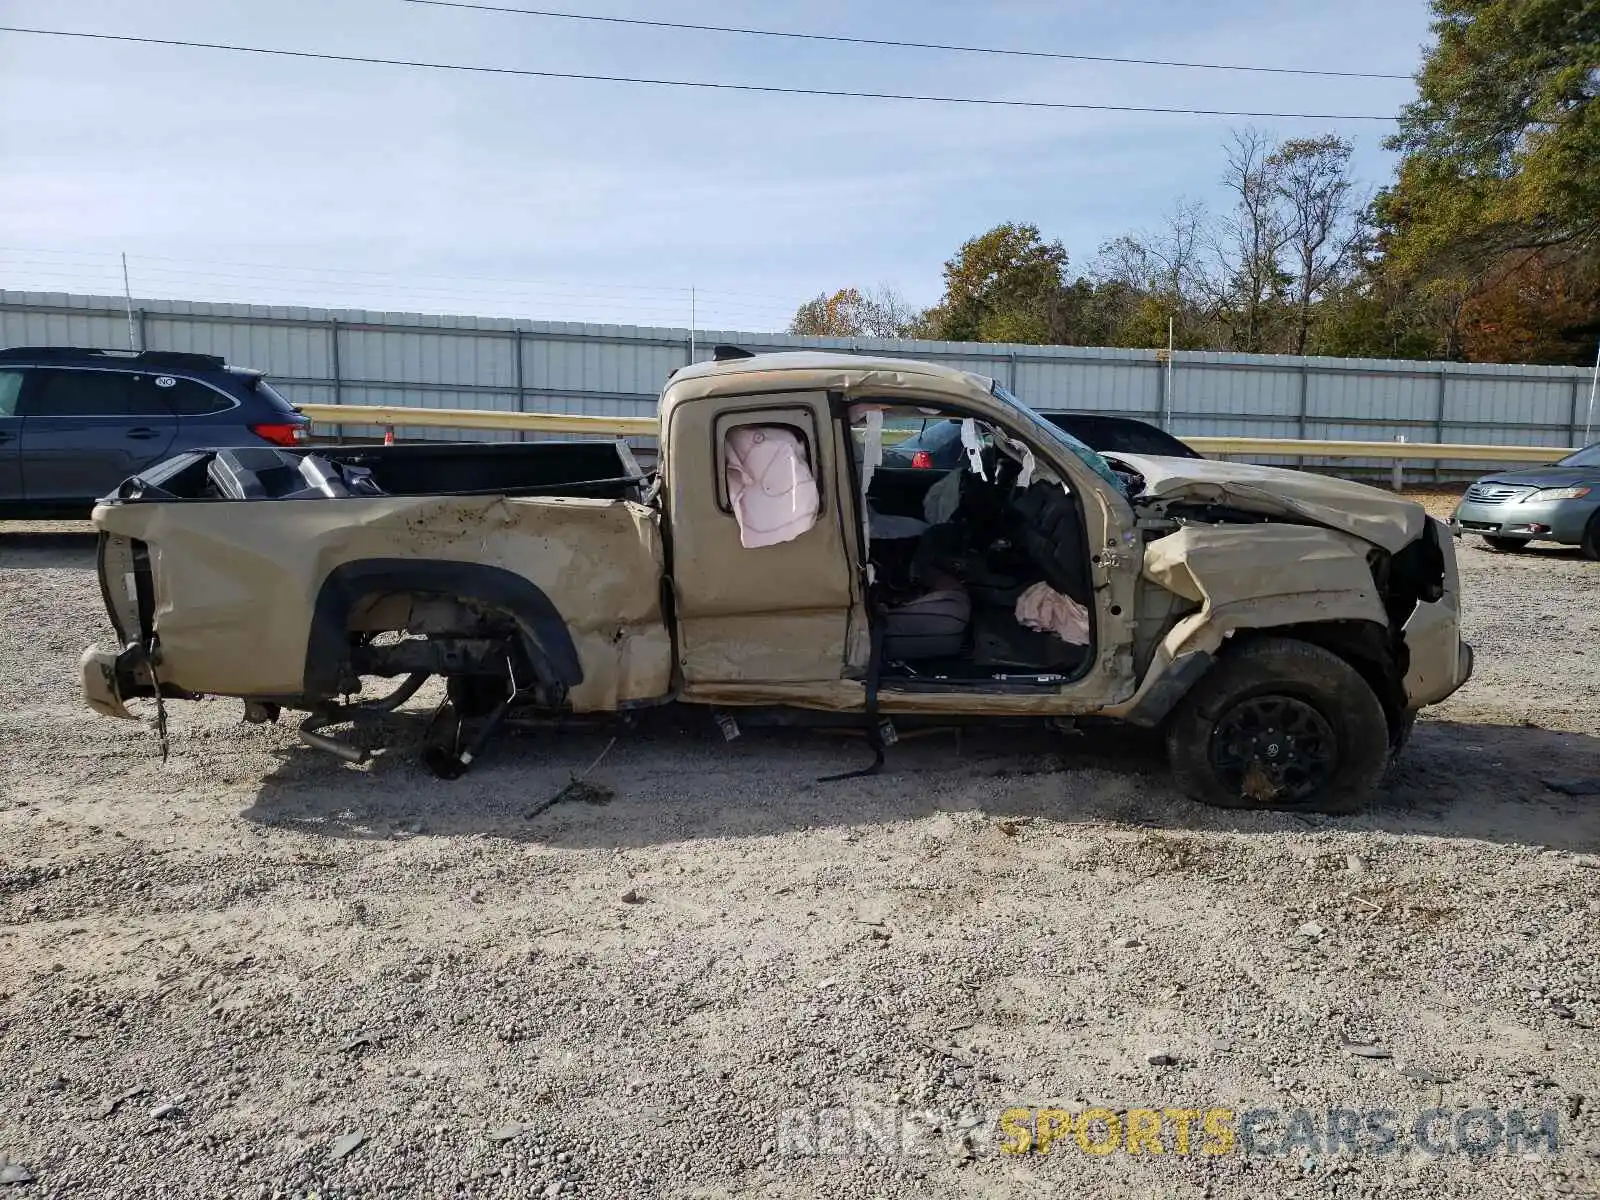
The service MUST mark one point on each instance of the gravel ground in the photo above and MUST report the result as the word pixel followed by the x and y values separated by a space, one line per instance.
pixel 253 971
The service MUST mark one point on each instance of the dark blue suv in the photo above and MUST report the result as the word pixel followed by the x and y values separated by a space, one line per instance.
pixel 75 423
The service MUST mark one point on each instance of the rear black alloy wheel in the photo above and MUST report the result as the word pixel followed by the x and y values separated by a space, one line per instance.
pixel 1277 747
pixel 1280 723
pixel 1505 545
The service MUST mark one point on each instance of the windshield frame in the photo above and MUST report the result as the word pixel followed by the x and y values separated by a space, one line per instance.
pixel 1083 452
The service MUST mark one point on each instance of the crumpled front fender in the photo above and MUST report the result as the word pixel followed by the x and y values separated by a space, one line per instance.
pixel 1438 661
pixel 1258 576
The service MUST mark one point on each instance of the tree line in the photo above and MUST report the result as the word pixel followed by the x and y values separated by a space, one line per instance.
pixel 1484 247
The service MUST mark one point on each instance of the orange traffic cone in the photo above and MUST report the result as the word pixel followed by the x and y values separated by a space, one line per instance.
pixel 388 436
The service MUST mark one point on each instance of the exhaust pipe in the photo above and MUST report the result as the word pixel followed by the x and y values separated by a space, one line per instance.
pixel 321 741
pixel 316 721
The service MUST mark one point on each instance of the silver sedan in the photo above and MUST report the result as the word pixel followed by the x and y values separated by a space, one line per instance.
pixel 1559 503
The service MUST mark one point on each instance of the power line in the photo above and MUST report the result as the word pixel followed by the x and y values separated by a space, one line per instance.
pixel 987 102
pixel 904 45
pixel 147 279
pixel 172 278
pixel 186 284
pixel 677 291
pixel 596 311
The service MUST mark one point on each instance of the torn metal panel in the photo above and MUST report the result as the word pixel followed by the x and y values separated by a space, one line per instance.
pixel 98 669
pixel 1376 516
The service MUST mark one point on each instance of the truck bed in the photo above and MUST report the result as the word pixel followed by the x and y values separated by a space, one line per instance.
pixel 305 555
pixel 594 470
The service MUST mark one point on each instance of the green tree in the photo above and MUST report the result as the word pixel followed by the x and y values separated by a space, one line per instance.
pixel 1007 285
pixel 829 315
pixel 1373 317
pixel 1494 217
pixel 1502 145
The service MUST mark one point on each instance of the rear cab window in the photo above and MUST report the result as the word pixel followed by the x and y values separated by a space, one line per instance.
pixel 796 421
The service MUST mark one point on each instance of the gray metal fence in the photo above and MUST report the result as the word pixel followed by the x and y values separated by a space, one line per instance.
pixel 329 356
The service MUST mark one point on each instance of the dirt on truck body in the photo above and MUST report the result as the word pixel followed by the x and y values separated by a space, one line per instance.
pixel 1282 628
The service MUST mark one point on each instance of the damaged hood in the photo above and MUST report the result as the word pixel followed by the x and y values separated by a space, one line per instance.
pixel 1379 517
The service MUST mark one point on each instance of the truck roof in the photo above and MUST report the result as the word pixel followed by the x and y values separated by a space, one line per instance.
pixel 853 374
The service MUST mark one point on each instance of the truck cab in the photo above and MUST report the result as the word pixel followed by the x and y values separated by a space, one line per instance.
pixel 794 622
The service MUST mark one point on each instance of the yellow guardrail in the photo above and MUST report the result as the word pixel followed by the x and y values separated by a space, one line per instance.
pixel 475 418
pixel 1410 451
pixel 482 418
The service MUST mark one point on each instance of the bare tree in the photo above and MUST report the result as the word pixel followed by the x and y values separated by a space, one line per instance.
pixel 1252 241
pixel 1320 215
pixel 886 313
pixel 1166 259
pixel 1168 264
pixel 879 312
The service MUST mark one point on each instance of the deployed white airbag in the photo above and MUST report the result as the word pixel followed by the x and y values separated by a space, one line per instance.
pixel 1044 609
pixel 770 485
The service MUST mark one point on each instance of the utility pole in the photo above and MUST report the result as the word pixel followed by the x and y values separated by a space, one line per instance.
pixel 1166 417
pixel 1594 380
pixel 127 296
pixel 693 320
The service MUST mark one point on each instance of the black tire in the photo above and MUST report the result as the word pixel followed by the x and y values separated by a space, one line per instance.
pixel 1224 739
pixel 1589 547
pixel 1505 545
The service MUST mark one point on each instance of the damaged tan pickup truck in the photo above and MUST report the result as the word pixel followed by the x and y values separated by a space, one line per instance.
pixel 1282 628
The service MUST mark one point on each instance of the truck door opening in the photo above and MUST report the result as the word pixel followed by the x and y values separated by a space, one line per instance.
pixel 977 552
pixel 765 596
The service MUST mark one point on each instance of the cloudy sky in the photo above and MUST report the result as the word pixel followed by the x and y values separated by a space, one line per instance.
pixel 241 177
